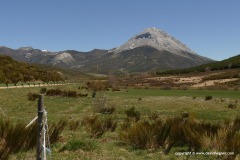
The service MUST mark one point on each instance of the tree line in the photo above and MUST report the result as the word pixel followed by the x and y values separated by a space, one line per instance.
pixel 231 63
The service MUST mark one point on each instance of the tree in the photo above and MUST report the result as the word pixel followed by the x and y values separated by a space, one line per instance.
pixel 2 77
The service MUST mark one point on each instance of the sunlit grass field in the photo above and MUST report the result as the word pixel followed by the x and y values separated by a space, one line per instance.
pixel 166 103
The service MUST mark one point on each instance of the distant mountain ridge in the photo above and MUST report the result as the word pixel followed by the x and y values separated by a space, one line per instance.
pixel 149 50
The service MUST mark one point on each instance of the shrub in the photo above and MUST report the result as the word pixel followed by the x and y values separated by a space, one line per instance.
pixel 82 94
pixel 43 90
pixel 116 88
pixel 54 92
pixel 208 98
pixel 86 145
pixel 166 87
pixel 100 105
pixel 32 96
pixel 96 127
pixel 184 87
pixel 131 113
pixel 58 92
pixel 232 106
pixel 97 85
pixel 69 93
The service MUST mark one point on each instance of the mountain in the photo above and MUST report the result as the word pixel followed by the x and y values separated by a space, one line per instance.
pixel 149 50
pixel 157 39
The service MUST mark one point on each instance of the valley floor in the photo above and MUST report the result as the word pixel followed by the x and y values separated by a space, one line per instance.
pixel 165 103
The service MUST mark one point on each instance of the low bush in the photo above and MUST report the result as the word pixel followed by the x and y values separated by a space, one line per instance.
pixel 232 106
pixel 82 94
pixel 43 90
pixel 54 92
pixel 32 96
pixel 83 144
pixel 65 93
pixel 166 87
pixel 100 105
pixel 207 98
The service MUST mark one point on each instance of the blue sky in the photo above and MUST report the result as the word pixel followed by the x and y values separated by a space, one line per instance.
pixel 209 27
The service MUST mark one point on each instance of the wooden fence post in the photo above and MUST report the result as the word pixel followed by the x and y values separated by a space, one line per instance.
pixel 40 132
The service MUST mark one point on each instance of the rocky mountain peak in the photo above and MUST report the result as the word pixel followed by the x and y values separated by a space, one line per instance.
pixel 157 39
pixel 29 48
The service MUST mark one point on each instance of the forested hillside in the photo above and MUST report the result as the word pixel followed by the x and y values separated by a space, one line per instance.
pixel 231 63
pixel 12 71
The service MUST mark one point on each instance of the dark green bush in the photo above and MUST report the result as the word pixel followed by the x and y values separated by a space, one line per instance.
pixel 32 96
pixel 83 144
pixel 232 106
pixel 43 90
pixel 58 92
pixel 207 98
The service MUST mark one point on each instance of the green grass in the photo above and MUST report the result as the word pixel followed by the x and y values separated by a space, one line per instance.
pixel 14 104
pixel 178 93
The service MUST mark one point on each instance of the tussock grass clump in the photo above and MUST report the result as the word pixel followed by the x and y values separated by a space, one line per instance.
pixel 15 137
pixel 55 129
pixel 181 131
pixel 226 139
pixel 96 126
pixel 145 135
pixel 101 106
pixel 83 144
pixel 132 114
pixel 32 96
pixel 74 125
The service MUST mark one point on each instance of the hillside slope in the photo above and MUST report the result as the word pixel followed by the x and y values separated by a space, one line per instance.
pixel 12 71
pixel 230 63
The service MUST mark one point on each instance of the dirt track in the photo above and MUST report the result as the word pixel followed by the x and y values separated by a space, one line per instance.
pixel 31 86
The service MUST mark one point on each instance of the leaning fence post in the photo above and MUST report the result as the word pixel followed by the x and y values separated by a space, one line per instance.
pixel 40 131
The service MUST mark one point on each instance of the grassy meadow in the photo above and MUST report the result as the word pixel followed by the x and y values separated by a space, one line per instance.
pixel 76 142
